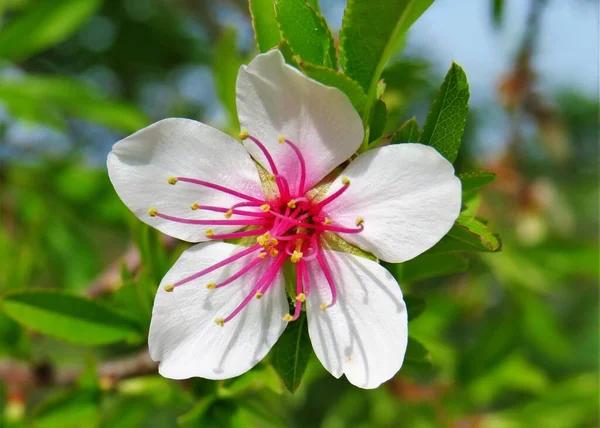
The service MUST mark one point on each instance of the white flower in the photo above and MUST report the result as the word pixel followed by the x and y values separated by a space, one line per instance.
pixel 221 307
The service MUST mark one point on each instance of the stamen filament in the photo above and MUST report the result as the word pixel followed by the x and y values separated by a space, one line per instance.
pixel 212 222
pixel 219 188
pixel 328 277
pixel 236 235
pixel 340 229
pixel 302 167
pixel 318 206
pixel 238 274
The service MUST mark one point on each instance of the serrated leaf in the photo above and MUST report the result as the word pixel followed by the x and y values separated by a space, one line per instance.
pixel 474 233
pixel 408 133
pixel 370 31
pixel 334 78
pixel 266 30
pixel 69 317
pixel 473 181
pixel 291 353
pixel 43 26
pixel 379 115
pixel 446 119
pixel 431 266
pixel 225 67
pixel 306 32
pixel 414 306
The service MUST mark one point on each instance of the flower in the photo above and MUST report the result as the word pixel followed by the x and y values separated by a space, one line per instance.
pixel 222 306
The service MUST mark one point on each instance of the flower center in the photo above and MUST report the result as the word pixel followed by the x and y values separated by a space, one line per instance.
pixel 289 226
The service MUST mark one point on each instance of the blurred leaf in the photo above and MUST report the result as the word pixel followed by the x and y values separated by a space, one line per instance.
pixel 46 24
pixel 408 133
pixel 473 181
pixel 306 32
pixel 291 353
pixel 195 416
pixel 417 356
pixel 225 66
pixel 474 233
pixel 369 34
pixel 379 115
pixel 44 99
pixel 334 78
pixel 266 30
pixel 446 119
pixel 408 76
pixel 74 408
pixel 431 266
pixel 256 379
pixel 414 306
pixel 69 317
pixel 497 12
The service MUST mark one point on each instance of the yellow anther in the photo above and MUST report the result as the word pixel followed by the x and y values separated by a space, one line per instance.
pixel 172 180
pixel 228 214
pixel 271 177
pixel 296 256
pixel 258 295
pixel 195 206
pixel 152 212
pixel 265 207
pixel 243 135
pixel 345 181
pixel 220 321
pixel 287 317
pixel 262 255
pixel 273 242
pixel 209 233
pixel 211 285
pixel 360 221
pixel 291 204
pixel 281 139
pixel 301 297
pixel 273 252
pixel 323 306
pixel 327 220
pixel 169 287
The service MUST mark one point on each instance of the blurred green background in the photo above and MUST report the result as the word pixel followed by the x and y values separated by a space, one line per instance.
pixel 511 341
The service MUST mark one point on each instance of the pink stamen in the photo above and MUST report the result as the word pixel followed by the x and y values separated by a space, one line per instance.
pixel 284 187
pixel 219 188
pixel 292 220
pixel 212 222
pixel 291 237
pixel 340 229
pixel 217 265
pixel 233 211
pixel 266 279
pixel 318 206
pixel 302 263
pixel 241 272
pixel 328 277
pixel 236 235
pixel 302 167
pixel 265 152
pixel 298 306
pixel 314 247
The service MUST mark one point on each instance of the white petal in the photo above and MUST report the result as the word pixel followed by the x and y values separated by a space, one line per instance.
pixel 407 195
pixel 140 165
pixel 183 334
pixel 364 335
pixel 274 99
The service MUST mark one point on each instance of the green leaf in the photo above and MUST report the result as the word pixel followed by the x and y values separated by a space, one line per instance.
pixel 417 356
pixel 370 31
pixel 431 266
pixel 68 409
pixel 497 12
pixel 334 78
pixel 69 317
pixel 45 99
pixel 474 233
pixel 266 30
pixel 415 306
pixel 306 32
pixel 472 181
pixel 445 122
pixel 407 133
pixel 225 67
pixel 379 116
pixel 44 25
pixel 291 353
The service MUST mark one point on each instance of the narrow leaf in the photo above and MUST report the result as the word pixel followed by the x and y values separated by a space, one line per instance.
pixel 474 233
pixel 330 77
pixel 291 353
pixel 225 66
pixel 431 266
pixel 266 31
pixel 306 32
pixel 414 306
pixel 407 133
pixel 44 25
pixel 370 31
pixel 417 356
pixel 69 317
pixel 473 181
pixel 445 122
pixel 379 116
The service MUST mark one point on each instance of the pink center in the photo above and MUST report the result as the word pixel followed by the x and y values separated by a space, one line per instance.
pixel 289 226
